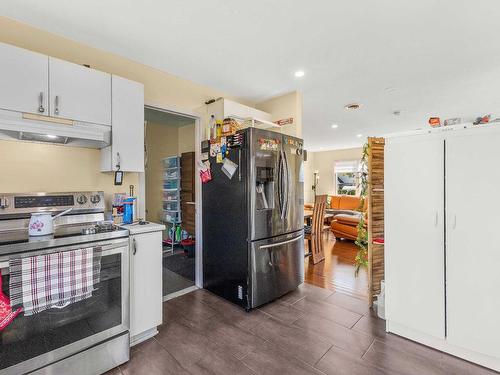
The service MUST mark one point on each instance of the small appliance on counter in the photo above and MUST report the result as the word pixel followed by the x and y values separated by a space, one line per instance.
pixel 90 334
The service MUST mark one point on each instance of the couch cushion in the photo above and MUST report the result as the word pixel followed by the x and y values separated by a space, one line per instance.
pixel 335 202
pixel 349 202
pixel 348 219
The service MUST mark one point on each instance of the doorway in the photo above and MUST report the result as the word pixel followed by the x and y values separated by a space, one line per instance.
pixel 170 193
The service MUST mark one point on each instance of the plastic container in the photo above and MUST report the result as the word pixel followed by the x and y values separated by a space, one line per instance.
pixel 171 216
pixel 128 211
pixel 172 162
pixel 171 184
pixel 170 196
pixel 171 206
pixel 171 174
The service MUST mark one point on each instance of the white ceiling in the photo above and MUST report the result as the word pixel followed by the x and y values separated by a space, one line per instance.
pixel 442 57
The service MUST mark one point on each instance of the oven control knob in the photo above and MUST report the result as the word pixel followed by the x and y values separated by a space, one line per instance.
pixel 4 203
pixel 81 199
pixel 95 198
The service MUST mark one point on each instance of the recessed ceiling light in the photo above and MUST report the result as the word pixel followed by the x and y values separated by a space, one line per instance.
pixel 359 135
pixel 352 106
pixel 299 73
pixel 51 136
pixel 334 126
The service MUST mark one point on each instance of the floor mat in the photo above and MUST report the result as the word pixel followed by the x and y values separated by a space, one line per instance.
pixel 180 264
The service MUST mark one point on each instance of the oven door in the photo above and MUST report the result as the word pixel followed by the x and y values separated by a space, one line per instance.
pixel 33 342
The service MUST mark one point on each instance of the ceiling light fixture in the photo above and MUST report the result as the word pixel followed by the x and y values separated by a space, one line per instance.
pixel 352 106
pixel 51 136
pixel 359 135
pixel 335 126
pixel 299 73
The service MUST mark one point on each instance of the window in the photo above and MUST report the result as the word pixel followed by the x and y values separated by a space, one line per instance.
pixel 347 174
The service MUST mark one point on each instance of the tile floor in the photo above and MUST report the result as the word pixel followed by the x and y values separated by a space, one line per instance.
pixel 309 331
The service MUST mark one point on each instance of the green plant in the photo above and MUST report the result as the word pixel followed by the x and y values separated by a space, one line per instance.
pixel 361 259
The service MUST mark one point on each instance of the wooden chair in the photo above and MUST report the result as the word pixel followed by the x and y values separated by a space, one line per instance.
pixel 314 234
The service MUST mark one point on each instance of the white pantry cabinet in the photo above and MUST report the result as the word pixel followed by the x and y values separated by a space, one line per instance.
pixel 24 76
pixel 127 146
pixel 79 93
pixel 146 297
pixel 441 251
pixel 414 233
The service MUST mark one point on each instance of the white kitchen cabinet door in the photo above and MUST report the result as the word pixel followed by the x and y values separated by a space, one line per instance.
pixel 414 243
pixel 145 282
pixel 24 76
pixel 472 246
pixel 79 93
pixel 127 148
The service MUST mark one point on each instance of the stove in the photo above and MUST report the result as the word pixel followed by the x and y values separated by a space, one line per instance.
pixel 91 335
pixel 85 223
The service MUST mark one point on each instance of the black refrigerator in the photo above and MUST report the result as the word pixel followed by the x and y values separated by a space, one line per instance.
pixel 253 238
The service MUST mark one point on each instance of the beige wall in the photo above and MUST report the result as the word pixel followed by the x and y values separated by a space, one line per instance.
pixel 187 138
pixel 324 163
pixel 285 106
pixel 33 167
pixel 161 142
pixel 308 178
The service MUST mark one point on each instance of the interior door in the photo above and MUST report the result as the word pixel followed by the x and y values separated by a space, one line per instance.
pixel 414 240
pixel 293 163
pixel 265 184
pixel 472 248
pixel 79 93
pixel 24 76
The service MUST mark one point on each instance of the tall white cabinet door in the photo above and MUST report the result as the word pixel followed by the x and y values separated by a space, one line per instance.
pixel 128 125
pixel 472 246
pixel 414 244
pixel 79 93
pixel 145 282
pixel 24 78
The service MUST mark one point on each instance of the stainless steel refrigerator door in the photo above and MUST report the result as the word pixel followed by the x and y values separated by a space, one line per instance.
pixel 276 267
pixel 265 184
pixel 294 184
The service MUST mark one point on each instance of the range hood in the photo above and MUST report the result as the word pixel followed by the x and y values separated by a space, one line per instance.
pixel 27 127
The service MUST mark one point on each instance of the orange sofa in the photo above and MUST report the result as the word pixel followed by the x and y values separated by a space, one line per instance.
pixel 347 213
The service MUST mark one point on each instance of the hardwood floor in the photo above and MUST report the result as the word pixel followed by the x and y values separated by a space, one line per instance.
pixel 308 331
pixel 336 272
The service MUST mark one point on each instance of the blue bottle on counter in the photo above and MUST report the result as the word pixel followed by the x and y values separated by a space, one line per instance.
pixel 128 211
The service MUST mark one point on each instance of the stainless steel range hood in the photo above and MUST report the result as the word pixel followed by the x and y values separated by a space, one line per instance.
pixel 27 127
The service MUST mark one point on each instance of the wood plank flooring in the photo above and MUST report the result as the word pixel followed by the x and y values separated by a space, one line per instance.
pixel 336 272
pixel 308 331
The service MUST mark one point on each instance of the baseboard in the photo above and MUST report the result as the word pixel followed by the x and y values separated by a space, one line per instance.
pixel 443 345
pixel 137 339
pixel 180 293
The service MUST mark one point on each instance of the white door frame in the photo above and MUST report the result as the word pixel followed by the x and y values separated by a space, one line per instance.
pixel 198 222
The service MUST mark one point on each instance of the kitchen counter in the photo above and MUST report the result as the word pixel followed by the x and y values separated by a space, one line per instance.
pixel 137 228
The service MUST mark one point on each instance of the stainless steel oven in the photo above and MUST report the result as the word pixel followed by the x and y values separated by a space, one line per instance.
pixel 91 335
pixel 37 341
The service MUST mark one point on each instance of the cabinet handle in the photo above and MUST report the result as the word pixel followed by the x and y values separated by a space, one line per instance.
pixel 454 221
pixel 118 161
pixel 436 220
pixel 40 103
pixel 134 246
pixel 56 110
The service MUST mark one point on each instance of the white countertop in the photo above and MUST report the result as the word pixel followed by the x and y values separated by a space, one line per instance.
pixel 146 228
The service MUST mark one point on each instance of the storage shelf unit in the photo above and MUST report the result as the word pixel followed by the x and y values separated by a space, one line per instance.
pixel 171 195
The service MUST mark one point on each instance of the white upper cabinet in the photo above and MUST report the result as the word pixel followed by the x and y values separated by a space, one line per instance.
pixel 127 146
pixel 79 93
pixel 24 80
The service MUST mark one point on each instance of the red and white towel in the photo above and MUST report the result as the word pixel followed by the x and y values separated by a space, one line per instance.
pixel 52 280
pixel 7 315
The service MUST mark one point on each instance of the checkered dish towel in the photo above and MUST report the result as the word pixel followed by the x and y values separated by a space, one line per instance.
pixel 52 280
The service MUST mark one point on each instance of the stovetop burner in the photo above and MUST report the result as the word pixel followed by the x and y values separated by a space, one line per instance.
pixel 100 228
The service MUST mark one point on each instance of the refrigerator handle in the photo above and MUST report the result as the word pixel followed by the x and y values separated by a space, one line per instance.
pixel 287 184
pixel 282 185
pixel 281 243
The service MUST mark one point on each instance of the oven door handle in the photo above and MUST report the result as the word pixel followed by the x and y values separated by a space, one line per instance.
pixel 106 250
